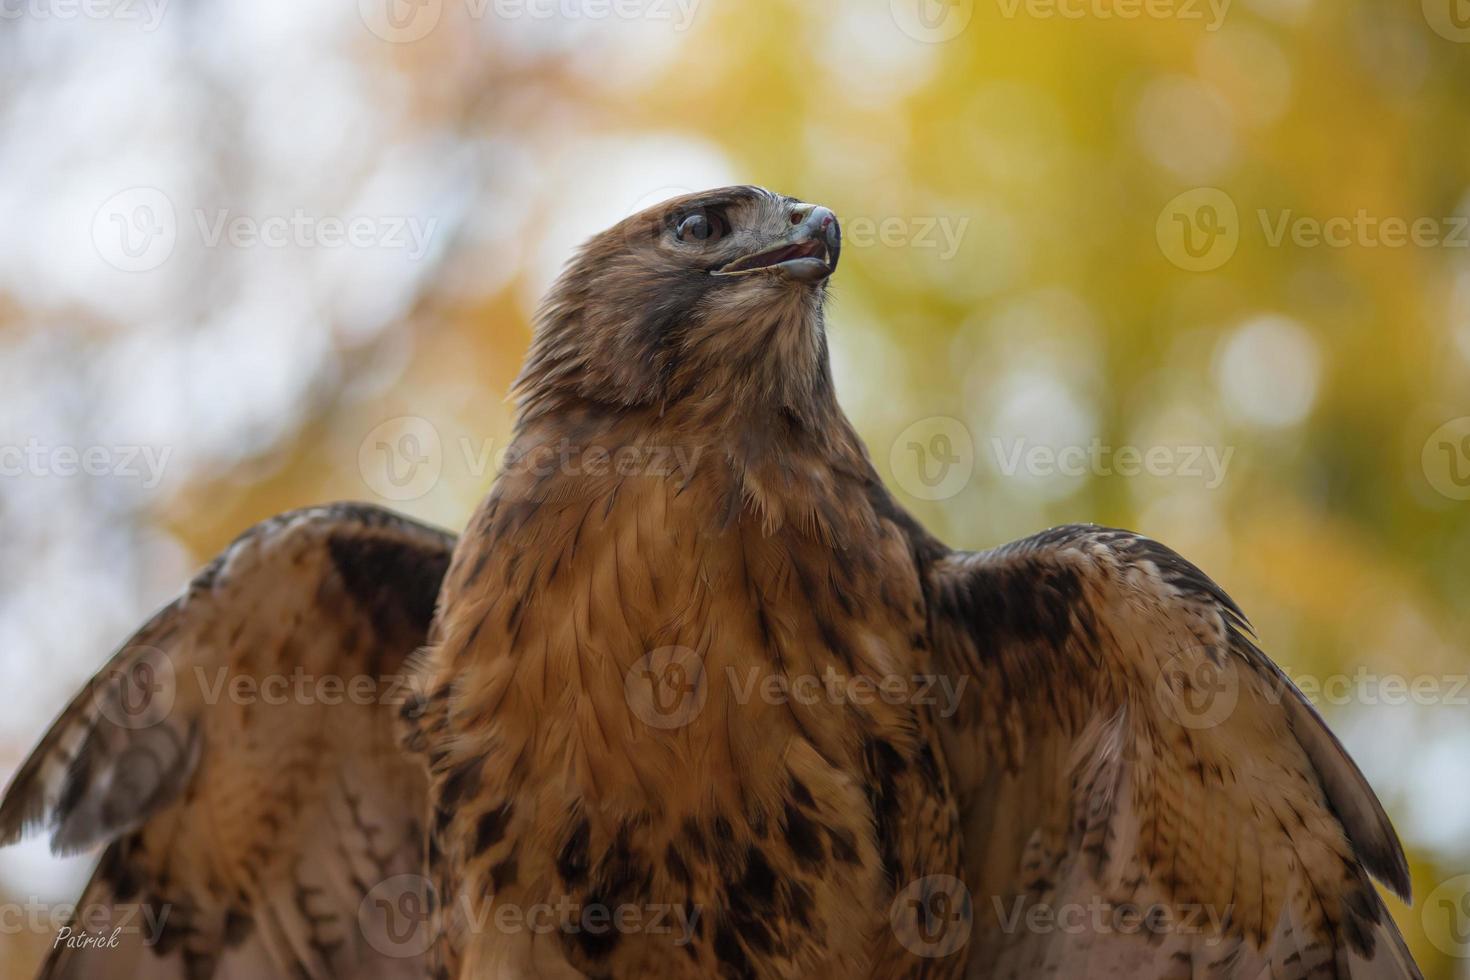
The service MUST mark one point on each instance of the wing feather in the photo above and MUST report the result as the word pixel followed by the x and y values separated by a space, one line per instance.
pixel 1126 750
pixel 239 760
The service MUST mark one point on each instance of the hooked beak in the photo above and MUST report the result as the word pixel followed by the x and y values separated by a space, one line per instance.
pixel 809 254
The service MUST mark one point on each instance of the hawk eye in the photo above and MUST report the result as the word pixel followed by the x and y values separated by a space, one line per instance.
pixel 701 226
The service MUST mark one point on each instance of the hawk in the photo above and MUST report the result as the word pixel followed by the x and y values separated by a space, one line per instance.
pixel 667 706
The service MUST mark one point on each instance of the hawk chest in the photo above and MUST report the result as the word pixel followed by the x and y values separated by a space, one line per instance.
pixel 645 618
pixel 663 708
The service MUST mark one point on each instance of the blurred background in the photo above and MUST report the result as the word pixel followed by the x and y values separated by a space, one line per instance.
pixel 1195 267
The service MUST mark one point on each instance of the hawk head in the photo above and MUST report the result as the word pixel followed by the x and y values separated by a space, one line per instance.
pixel 711 299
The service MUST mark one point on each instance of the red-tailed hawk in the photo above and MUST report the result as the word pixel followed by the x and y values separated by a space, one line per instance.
pixel 698 698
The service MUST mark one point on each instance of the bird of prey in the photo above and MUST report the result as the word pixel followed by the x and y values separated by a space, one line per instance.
pixel 667 707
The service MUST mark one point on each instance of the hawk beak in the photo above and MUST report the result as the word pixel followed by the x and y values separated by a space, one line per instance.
pixel 808 254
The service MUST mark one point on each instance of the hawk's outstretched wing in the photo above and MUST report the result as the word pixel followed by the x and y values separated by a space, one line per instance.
pixel 238 758
pixel 1144 793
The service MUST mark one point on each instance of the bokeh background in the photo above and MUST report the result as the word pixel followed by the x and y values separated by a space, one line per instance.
pixel 1195 268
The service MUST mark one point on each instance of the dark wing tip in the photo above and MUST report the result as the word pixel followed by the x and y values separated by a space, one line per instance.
pixel 1392 868
pixel 21 811
pixel 1351 798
